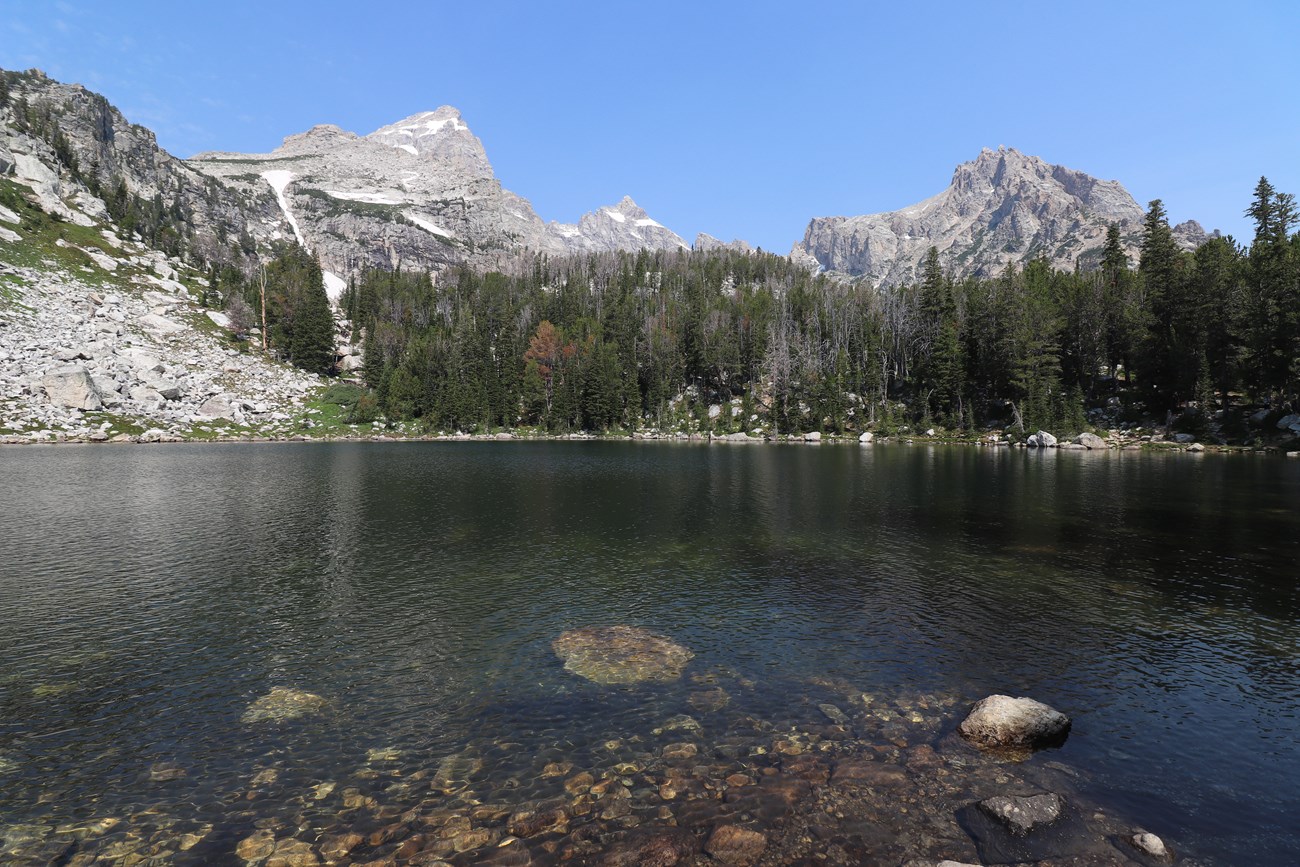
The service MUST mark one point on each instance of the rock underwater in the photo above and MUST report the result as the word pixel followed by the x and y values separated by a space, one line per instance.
pixel 283 703
pixel 621 654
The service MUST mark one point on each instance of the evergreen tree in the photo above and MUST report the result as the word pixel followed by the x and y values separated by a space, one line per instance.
pixel 1161 276
pixel 940 371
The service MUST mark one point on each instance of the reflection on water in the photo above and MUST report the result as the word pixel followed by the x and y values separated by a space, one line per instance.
pixel 151 596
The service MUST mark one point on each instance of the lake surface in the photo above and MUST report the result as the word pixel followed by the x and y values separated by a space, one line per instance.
pixel 149 596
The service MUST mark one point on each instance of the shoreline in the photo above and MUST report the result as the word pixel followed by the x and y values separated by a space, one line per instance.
pixel 156 437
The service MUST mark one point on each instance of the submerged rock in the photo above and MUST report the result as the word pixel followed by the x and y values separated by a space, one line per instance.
pixel 730 844
pixel 283 703
pixel 621 654
pixel 1003 721
pixel 658 847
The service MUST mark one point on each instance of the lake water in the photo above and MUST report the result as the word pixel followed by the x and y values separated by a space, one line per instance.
pixel 150 595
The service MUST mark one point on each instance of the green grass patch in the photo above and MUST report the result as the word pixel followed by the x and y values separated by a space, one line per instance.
pixel 119 424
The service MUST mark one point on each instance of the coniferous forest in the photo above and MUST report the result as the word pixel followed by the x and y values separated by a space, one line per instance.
pixel 728 341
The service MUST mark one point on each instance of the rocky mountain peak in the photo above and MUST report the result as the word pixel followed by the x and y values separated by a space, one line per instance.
pixel 441 134
pixel 1003 207
pixel 705 243
pixel 318 139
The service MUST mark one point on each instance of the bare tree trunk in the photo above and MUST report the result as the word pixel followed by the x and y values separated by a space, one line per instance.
pixel 261 286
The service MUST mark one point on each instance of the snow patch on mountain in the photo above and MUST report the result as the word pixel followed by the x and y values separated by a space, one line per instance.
pixel 279 179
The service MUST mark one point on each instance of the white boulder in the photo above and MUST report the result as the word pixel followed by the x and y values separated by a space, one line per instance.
pixel 1003 721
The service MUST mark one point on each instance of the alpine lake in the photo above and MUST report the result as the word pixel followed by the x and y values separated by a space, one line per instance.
pixel 391 653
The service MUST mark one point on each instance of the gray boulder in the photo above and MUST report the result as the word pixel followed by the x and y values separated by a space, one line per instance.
pixel 72 387
pixel 1003 721
pixel 1289 422
pixel 218 406
pixel 865 438
pixel 1150 844
pixel 1041 440
pixel 1090 440
pixel 1022 816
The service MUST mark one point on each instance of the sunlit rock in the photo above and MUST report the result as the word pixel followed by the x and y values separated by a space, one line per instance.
pixel 1151 845
pixel 1003 721
pixel 1022 816
pixel 621 654
pixel 283 703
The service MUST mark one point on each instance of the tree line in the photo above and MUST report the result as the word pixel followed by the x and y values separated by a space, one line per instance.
pixel 727 341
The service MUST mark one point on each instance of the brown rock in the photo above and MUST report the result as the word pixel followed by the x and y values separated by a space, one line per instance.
pixel 731 844
pixel 556 769
pixel 662 847
pixel 579 783
pixel 336 846
pixel 293 853
pixel 621 654
pixel 680 751
pixel 710 700
pixel 530 823
pixel 864 772
pixel 256 846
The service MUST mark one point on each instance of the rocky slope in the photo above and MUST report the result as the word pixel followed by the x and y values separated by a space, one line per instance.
pixel 75 152
pixel 1001 208
pixel 102 338
pixel 419 192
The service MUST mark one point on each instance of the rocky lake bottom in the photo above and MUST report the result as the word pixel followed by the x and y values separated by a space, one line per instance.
pixel 623 653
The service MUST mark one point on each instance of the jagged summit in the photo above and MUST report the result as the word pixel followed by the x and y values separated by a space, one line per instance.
pixel 420 192
pixel 1001 207
pixel 612 225
pixel 441 134
pixel 705 242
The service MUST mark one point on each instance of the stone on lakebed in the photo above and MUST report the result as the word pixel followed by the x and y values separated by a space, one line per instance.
pixel 283 703
pixel 621 654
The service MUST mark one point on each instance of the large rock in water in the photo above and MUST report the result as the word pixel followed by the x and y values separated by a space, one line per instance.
pixel 1021 816
pixel 1003 721
pixel 72 387
pixel 1090 440
pixel 621 654
pixel 283 703
pixel 1041 440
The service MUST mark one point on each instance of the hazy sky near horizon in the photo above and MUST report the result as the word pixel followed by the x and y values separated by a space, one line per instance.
pixel 736 119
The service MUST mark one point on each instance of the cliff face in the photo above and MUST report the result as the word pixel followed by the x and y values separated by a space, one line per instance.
pixel 1001 208
pixel 75 151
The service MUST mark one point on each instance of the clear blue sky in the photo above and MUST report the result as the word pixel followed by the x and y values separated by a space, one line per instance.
pixel 738 119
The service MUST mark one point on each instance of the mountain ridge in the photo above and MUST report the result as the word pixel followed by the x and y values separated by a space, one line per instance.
pixel 1002 208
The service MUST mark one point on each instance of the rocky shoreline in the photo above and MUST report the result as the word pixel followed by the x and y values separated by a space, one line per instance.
pixel 159 435
pixel 837 776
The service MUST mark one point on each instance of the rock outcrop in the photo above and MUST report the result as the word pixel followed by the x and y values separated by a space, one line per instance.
pixel 705 243
pixel 101 155
pixel 1002 208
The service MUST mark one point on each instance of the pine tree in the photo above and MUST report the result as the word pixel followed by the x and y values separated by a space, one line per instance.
pixel 1161 276
pixel 941 370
